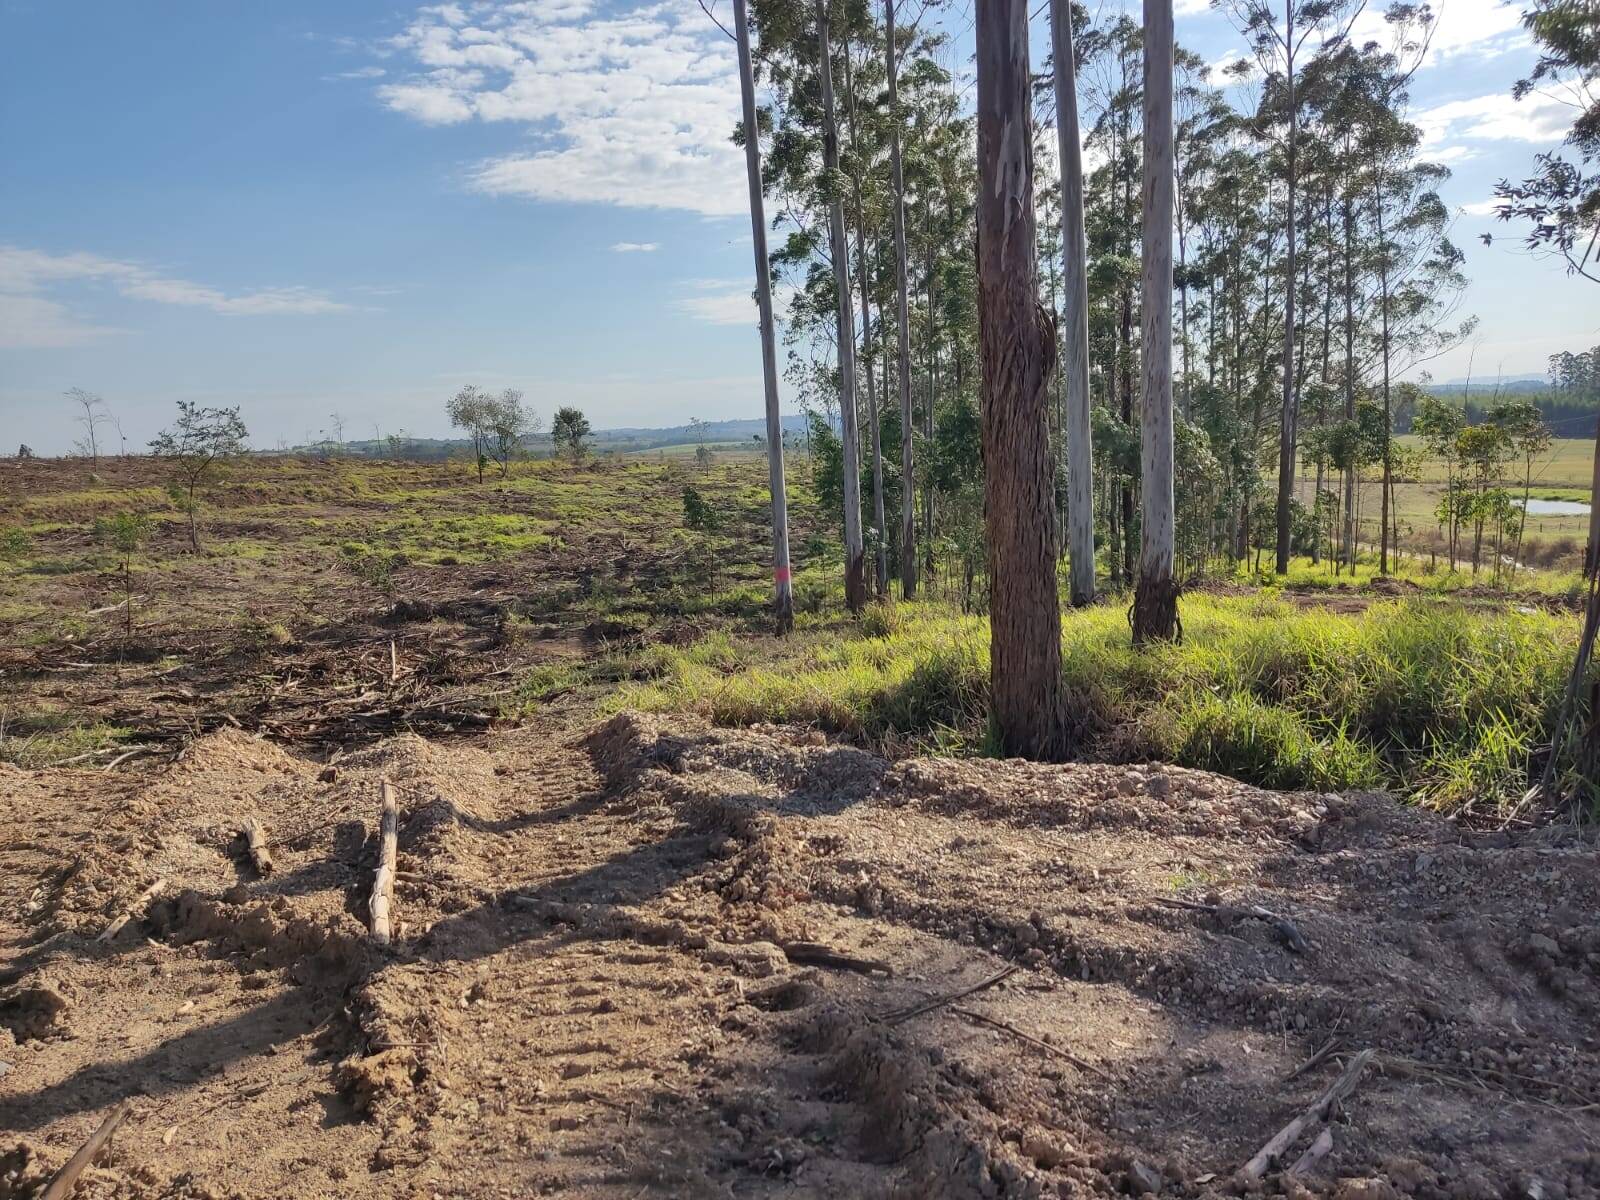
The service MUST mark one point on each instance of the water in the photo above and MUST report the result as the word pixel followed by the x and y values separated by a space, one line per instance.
pixel 1557 508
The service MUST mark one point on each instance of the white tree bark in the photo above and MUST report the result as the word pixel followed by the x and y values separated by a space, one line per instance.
pixel 1155 604
pixel 908 511
pixel 855 578
pixel 783 592
pixel 1075 335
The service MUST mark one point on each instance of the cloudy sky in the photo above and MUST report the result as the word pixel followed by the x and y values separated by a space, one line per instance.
pixel 309 209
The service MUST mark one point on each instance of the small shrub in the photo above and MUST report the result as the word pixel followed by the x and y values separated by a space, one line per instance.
pixel 697 514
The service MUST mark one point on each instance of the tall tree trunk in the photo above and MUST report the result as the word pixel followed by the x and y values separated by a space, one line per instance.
pixel 1075 315
pixel 1353 468
pixel 1287 432
pixel 1025 686
pixel 1125 485
pixel 1388 415
pixel 933 384
pixel 1591 552
pixel 783 592
pixel 1155 596
pixel 908 512
pixel 855 582
pixel 881 556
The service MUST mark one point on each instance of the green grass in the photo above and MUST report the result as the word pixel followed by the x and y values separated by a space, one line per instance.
pixel 1424 696
pixel 44 737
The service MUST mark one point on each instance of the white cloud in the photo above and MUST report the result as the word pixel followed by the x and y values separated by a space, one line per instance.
pixel 35 323
pixel 635 247
pixel 1538 119
pixel 632 108
pixel 358 73
pixel 1481 208
pixel 30 319
pixel 729 301
pixel 1478 29
pixel 721 308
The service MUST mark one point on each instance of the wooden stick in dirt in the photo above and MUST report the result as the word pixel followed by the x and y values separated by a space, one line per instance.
pixel 917 1010
pixel 818 955
pixel 133 910
pixel 394 662
pixel 254 834
pixel 1258 1166
pixel 64 1180
pixel 383 877
pixel 1082 1064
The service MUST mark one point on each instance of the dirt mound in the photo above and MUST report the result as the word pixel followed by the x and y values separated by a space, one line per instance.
pixel 668 960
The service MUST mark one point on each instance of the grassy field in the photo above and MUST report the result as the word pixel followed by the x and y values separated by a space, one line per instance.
pixel 334 601
pixel 1565 473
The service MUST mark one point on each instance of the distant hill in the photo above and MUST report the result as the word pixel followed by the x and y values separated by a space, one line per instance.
pixel 624 440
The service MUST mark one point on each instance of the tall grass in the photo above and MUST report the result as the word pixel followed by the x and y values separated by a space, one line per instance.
pixel 1425 696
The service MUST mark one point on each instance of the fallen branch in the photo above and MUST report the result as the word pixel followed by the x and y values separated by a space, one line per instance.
pixel 127 754
pixel 1315 1153
pixel 1005 1027
pixel 817 955
pixel 133 910
pixel 383 877
pixel 1285 928
pixel 1316 1060
pixel 905 1014
pixel 1341 1088
pixel 64 1180
pixel 254 834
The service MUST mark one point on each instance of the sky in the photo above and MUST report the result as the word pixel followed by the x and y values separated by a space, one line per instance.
pixel 310 209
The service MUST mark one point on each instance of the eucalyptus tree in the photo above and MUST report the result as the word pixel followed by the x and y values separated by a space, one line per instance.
pixel 804 175
pixel 865 126
pixel 1025 684
pixel 1155 597
pixel 855 580
pixel 1279 47
pixel 1075 423
pixel 1561 201
pixel 908 517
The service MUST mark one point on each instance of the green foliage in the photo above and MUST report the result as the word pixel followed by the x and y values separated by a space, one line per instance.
pixel 124 532
pixel 14 544
pixel 697 514
pixel 880 620
pixel 570 432
pixel 1428 696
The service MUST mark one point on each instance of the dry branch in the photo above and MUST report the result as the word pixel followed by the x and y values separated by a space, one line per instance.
pixel 1315 1153
pixel 64 1180
pixel 1282 926
pixel 133 910
pixel 383 877
pixel 1005 1027
pixel 254 834
pixel 905 1014
pixel 817 955
pixel 1258 1166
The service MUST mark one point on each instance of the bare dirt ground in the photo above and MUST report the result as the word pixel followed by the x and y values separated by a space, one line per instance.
pixel 662 960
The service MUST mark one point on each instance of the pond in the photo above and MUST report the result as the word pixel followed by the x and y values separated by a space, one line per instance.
pixel 1557 508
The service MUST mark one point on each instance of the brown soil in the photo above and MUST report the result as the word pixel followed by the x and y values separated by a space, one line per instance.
pixel 607 979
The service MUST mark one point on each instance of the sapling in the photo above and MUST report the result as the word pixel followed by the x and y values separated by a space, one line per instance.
pixel 124 532
pixel 196 442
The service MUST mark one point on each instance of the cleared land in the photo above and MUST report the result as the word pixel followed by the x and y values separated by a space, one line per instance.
pixel 757 941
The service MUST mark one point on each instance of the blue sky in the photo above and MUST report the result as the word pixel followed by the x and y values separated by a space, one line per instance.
pixel 306 208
